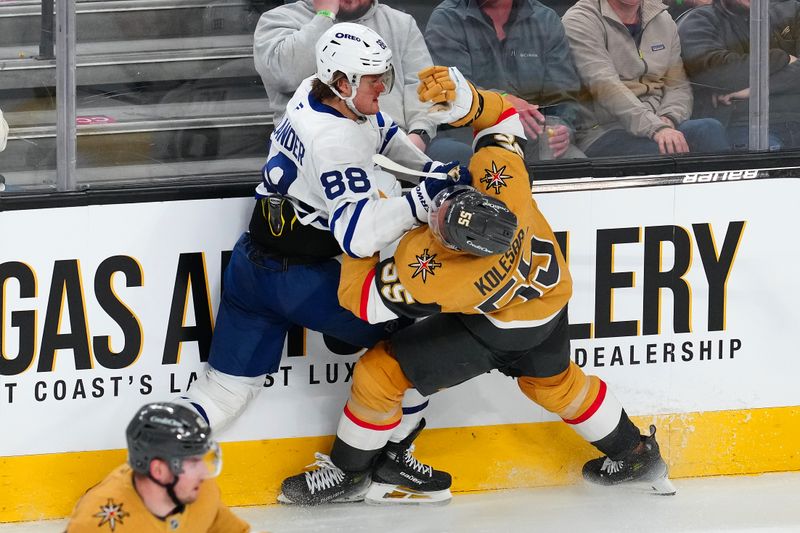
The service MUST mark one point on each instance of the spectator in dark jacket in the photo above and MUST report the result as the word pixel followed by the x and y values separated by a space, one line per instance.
pixel 716 54
pixel 639 100
pixel 512 46
pixel 676 8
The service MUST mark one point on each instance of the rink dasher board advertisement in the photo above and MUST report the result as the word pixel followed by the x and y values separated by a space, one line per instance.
pixel 684 301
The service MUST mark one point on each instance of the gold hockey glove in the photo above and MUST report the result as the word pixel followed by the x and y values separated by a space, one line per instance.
pixel 456 101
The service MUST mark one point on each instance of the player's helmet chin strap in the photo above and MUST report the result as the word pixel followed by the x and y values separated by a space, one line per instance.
pixel 179 505
pixel 348 100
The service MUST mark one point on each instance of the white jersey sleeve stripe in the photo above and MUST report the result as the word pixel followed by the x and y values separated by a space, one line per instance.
pixel 351 228
pixel 336 214
pixel 389 136
pixel 370 224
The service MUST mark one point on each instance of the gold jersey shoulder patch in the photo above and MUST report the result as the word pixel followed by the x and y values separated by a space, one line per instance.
pixel 111 513
pixel 425 264
pixel 496 178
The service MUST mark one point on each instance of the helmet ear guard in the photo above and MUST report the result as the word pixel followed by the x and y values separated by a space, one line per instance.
pixel 467 220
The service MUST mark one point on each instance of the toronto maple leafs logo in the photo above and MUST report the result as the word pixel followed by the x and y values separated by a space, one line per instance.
pixel 426 264
pixel 495 178
pixel 111 514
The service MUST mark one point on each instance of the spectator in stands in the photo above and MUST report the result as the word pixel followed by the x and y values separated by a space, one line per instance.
pixel 3 132
pixel 283 49
pixel 513 46
pixel 166 485
pixel 678 7
pixel 716 52
pixel 639 100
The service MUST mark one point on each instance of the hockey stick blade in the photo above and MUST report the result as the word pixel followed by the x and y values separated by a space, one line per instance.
pixel 383 161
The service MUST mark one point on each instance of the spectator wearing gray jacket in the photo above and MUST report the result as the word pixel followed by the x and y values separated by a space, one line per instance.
pixel 512 46
pixel 283 49
pixel 639 100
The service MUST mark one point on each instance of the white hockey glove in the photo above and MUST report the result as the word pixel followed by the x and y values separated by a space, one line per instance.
pixel 419 198
pixel 449 92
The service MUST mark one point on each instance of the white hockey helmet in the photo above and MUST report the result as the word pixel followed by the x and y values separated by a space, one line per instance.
pixel 356 51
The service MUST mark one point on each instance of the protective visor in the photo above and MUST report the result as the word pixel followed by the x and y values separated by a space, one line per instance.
pixel 387 78
pixel 212 460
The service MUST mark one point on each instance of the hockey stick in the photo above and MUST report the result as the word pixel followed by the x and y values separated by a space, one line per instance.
pixel 388 164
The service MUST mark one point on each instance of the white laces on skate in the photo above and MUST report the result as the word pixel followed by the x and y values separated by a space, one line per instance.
pixel 325 476
pixel 412 462
pixel 612 467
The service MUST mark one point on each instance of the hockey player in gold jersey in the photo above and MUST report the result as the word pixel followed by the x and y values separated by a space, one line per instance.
pixel 489 274
pixel 166 486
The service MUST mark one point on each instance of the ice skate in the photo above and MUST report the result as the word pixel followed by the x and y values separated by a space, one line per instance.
pixel 399 478
pixel 642 468
pixel 325 484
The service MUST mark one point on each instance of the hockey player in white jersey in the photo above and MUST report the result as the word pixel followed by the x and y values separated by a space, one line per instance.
pixel 320 195
pixel 332 181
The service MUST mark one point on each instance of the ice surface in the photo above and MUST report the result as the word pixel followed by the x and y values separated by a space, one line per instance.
pixel 769 502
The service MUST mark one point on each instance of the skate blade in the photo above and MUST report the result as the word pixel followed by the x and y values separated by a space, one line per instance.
pixel 285 500
pixel 388 494
pixel 661 486
pixel 282 498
